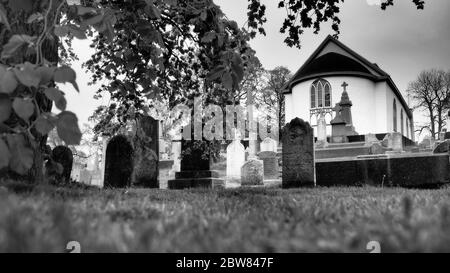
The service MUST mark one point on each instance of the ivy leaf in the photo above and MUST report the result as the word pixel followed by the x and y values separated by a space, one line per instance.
pixel 5 107
pixel 57 96
pixel 45 123
pixel 53 94
pixel 28 75
pixel 5 155
pixel 21 154
pixel 15 43
pixel 4 18
pixel 24 108
pixel 35 17
pixel 61 104
pixel 8 82
pixel 66 74
pixel 67 128
pixel 46 74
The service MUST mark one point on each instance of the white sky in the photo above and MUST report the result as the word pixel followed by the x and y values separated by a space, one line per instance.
pixel 402 40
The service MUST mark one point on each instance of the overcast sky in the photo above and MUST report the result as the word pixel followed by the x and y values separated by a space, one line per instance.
pixel 401 40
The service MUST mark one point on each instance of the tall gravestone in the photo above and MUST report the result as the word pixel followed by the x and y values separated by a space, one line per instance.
pixel 321 132
pixel 118 163
pixel 195 168
pixel 146 153
pixel 235 159
pixel 63 155
pixel 298 154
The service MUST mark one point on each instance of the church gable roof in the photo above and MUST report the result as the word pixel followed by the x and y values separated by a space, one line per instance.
pixel 334 58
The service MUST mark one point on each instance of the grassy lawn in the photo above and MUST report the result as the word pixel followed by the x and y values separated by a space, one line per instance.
pixel 237 220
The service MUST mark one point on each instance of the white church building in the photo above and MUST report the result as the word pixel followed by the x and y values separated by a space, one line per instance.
pixel 314 90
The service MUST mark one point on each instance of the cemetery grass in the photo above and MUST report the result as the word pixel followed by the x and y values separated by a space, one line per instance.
pixel 45 218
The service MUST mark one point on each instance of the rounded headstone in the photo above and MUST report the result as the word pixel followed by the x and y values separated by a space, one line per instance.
pixel 118 162
pixel 270 162
pixel 63 155
pixel 298 154
pixel 252 173
pixel 235 159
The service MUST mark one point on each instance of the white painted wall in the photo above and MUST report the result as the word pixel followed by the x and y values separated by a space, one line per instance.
pixel 372 110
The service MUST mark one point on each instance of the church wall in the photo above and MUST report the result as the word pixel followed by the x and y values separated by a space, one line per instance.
pixel 390 120
pixel 369 111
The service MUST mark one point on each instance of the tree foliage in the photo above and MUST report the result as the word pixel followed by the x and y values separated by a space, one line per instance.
pixel 302 15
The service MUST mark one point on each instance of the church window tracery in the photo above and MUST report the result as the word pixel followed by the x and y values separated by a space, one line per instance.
pixel 320 94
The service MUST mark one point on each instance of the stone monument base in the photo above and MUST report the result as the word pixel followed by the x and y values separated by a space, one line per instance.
pixel 195 179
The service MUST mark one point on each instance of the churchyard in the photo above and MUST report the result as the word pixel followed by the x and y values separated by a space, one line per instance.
pixel 238 203
pixel 196 146
pixel 343 219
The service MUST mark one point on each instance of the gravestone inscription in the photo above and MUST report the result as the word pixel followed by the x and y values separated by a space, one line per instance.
pixel 298 154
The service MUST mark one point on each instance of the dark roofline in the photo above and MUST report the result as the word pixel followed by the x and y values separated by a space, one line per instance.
pixel 385 76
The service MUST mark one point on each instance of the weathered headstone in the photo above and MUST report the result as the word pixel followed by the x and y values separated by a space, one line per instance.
pixel 427 143
pixel 176 155
pixel 321 133
pixel 165 172
pixel 268 144
pixel 298 154
pixel 270 162
pixel 146 153
pixel 394 141
pixel 63 155
pixel 118 162
pixel 252 173
pixel 85 177
pixel 376 149
pixel 235 159
pixel 195 168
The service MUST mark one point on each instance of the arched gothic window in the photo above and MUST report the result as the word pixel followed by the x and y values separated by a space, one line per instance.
pixel 320 94
pixel 395 116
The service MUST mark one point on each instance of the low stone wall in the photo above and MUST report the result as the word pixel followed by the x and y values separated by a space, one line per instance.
pixel 412 170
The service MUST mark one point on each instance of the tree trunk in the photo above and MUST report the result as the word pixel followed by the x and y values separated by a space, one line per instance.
pixel 432 123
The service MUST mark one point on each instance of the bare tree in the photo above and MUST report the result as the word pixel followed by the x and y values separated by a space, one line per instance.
pixel 431 93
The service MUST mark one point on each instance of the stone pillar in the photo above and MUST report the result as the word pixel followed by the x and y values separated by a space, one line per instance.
pixel 146 153
pixel 298 155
